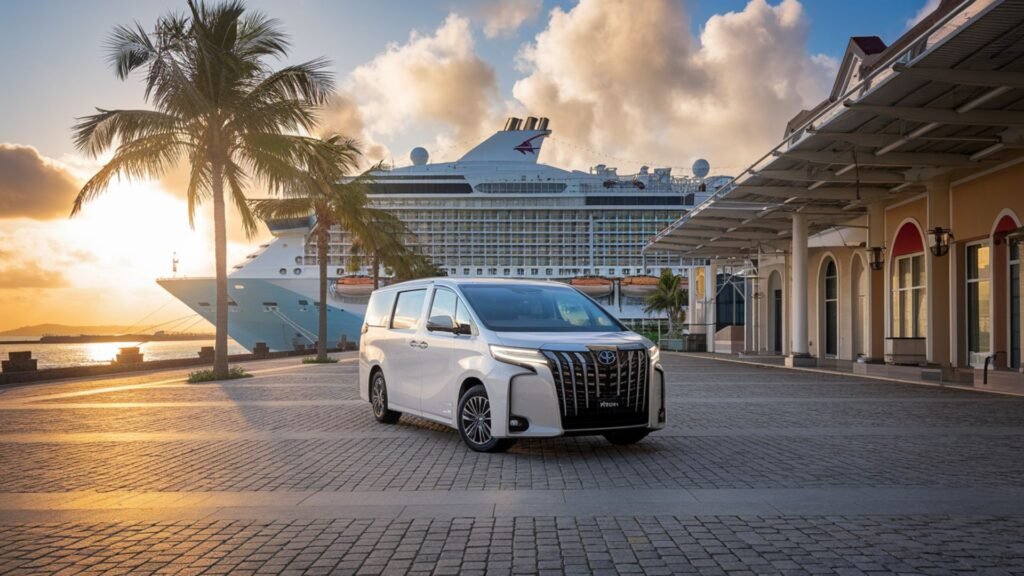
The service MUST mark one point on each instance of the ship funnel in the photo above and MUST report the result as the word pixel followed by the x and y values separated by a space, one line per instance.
pixel 531 123
pixel 512 124
pixel 542 124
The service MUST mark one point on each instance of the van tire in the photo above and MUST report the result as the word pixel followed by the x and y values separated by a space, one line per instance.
pixel 475 424
pixel 379 400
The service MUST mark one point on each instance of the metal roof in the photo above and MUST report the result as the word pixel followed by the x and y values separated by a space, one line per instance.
pixel 949 97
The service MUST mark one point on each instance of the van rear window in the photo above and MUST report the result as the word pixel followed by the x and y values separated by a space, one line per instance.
pixel 379 308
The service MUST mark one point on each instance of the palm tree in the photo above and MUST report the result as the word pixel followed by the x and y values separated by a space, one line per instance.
pixel 668 297
pixel 381 242
pixel 332 201
pixel 216 103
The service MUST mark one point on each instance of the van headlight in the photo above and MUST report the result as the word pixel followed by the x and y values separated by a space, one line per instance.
pixel 654 353
pixel 525 357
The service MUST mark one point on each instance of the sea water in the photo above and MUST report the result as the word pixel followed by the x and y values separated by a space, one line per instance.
pixel 85 354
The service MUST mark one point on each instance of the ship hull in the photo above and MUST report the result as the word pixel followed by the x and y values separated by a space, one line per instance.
pixel 282 316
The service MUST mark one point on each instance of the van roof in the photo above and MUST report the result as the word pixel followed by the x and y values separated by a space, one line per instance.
pixel 456 281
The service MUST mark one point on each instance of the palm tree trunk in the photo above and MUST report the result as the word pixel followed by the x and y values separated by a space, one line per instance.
pixel 376 271
pixel 322 238
pixel 220 240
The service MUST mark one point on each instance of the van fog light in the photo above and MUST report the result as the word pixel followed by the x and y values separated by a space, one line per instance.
pixel 518 424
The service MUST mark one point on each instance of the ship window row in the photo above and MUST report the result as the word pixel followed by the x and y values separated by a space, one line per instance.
pixel 420 188
pixel 521 187
pixel 631 200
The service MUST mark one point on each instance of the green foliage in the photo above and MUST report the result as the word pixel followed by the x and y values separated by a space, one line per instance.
pixel 669 297
pixel 210 376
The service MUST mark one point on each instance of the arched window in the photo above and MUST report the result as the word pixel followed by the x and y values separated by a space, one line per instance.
pixel 909 307
pixel 830 308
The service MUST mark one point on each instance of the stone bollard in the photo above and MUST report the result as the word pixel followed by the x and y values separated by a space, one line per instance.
pixel 261 350
pixel 128 356
pixel 19 362
pixel 206 354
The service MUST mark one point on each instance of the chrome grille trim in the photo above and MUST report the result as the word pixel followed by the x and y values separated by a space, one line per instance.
pixel 624 404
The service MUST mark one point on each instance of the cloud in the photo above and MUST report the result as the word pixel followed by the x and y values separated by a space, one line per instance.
pixel 924 11
pixel 343 116
pixel 504 17
pixel 430 80
pixel 33 186
pixel 651 92
pixel 21 275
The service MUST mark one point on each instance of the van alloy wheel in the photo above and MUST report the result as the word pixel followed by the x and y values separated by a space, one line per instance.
pixel 476 419
pixel 475 424
pixel 379 400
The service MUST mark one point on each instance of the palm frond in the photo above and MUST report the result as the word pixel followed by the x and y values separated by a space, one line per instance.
pixel 129 48
pixel 199 186
pixel 235 179
pixel 94 134
pixel 274 208
pixel 139 159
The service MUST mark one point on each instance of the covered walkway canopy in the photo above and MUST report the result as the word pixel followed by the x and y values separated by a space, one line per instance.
pixel 948 94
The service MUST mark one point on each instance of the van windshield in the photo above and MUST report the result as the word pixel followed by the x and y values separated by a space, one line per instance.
pixel 531 308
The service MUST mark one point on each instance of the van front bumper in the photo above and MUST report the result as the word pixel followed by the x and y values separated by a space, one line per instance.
pixel 532 410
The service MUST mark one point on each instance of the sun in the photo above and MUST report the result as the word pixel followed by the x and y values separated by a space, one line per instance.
pixel 136 228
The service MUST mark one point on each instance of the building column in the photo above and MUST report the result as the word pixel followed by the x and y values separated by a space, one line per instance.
pixel 798 309
pixel 937 277
pixel 874 316
pixel 710 298
pixel 750 313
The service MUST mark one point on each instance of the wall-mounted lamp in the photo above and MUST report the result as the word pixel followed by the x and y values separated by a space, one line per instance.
pixel 876 257
pixel 1015 236
pixel 941 238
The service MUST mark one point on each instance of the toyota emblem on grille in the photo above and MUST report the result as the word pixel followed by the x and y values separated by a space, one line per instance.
pixel 607 357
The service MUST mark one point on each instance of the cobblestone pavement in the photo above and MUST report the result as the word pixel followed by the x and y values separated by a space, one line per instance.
pixel 761 471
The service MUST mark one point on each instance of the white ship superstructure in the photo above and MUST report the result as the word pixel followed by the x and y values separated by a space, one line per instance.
pixel 495 212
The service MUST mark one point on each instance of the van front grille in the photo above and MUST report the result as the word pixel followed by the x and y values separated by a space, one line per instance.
pixel 596 394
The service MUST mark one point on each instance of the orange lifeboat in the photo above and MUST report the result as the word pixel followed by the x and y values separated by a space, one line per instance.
pixel 354 286
pixel 593 286
pixel 638 286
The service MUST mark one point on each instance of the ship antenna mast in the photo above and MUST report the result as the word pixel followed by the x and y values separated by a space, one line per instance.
pixel 174 265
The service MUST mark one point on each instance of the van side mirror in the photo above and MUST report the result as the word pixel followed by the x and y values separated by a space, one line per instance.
pixel 441 324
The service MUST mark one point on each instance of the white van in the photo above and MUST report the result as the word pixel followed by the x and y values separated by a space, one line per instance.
pixel 506 359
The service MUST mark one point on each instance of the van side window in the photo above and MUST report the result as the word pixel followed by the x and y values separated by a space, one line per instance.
pixel 408 308
pixel 379 308
pixel 462 317
pixel 444 303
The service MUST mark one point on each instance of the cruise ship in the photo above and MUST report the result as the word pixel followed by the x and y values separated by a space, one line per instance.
pixel 495 212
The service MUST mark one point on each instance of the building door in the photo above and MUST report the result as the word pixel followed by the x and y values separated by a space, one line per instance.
pixel 777 320
pixel 1014 305
pixel 830 307
pixel 979 304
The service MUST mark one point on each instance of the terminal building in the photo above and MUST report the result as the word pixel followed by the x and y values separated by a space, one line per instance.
pixel 884 229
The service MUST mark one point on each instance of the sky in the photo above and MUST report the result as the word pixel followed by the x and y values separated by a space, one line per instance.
pixel 625 83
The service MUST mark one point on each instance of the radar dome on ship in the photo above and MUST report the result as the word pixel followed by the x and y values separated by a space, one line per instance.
pixel 701 168
pixel 419 156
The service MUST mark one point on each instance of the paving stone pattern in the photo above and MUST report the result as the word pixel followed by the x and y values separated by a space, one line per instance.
pixel 736 430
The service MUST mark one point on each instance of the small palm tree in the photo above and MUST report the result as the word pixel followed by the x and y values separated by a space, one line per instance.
pixel 218 105
pixel 669 297
pixel 332 201
pixel 382 243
